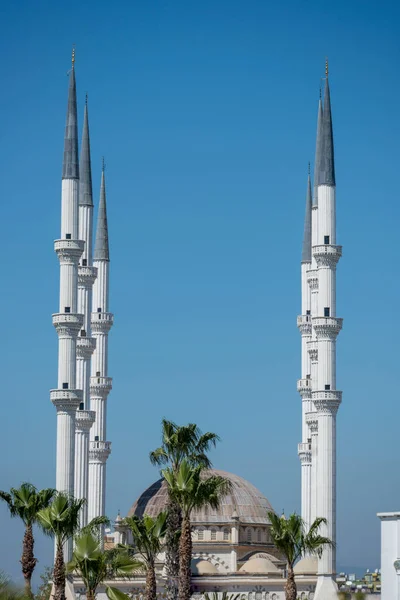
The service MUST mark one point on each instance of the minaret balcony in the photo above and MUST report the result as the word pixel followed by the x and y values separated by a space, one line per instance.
pixel 99 451
pixel 84 420
pixel 66 400
pixel 85 347
pixel 327 328
pixel 86 276
pixel 304 387
pixel 304 452
pixel 327 255
pixel 100 386
pixel 67 324
pixel 102 322
pixel 312 422
pixel 312 349
pixel 327 401
pixel 304 324
pixel 69 251
pixel 312 279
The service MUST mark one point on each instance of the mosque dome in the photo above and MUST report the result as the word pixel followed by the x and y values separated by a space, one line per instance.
pixel 203 567
pixel 306 566
pixel 260 565
pixel 244 502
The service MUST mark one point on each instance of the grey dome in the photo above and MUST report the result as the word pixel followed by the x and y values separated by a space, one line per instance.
pixel 244 501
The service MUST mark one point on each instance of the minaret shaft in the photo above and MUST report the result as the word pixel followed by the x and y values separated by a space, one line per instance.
pixel 100 382
pixel 85 343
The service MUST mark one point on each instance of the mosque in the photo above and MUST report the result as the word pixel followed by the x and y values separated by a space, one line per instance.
pixel 232 546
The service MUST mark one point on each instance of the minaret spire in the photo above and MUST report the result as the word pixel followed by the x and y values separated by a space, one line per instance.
pixel 101 249
pixel 318 150
pixel 70 168
pixel 326 174
pixel 85 182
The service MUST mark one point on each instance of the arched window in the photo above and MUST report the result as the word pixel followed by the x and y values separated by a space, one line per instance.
pixel 200 534
pixel 226 535
pixel 213 535
pixel 258 535
pixel 248 534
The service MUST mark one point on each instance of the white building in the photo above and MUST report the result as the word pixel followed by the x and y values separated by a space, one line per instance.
pixel 390 555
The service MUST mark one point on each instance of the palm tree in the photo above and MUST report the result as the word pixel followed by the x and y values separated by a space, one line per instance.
pixel 95 565
pixel 148 533
pixel 179 443
pixel 293 541
pixel 61 521
pixel 191 491
pixel 25 502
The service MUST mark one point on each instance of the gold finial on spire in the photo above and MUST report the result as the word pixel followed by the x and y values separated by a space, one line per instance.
pixel 73 55
pixel 326 67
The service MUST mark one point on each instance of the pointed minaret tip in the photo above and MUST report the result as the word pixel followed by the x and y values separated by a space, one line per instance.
pixel 326 67
pixel 318 149
pixel 101 248
pixel 70 168
pixel 73 56
pixel 326 175
pixel 306 250
pixel 85 167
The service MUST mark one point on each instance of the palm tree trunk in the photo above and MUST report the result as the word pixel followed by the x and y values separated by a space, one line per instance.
pixel 185 559
pixel 290 586
pixel 151 586
pixel 59 573
pixel 174 524
pixel 90 595
pixel 28 560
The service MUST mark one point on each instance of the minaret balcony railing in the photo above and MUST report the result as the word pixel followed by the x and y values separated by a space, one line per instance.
pixel 304 452
pixel 304 324
pixel 86 276
pixel 327 328
pixel 85 347
pixel 99 451
pixel 69 250
pixel 100 386
pixel 312 279
pixel 67 324
pixel 84 420
pixel 67 400
pixel 327 401
pixel 304 386
pixel 102 321
pixel 312 422
pixel 312 349
pixel 327 255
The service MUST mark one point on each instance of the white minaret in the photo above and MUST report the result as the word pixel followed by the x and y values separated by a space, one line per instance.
pixel 326 397
pixel 304 384
pixel 100 383
pixel 68 321
pixel 85 343
pixel 312 344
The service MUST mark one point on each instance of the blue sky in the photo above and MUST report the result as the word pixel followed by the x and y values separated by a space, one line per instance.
pixel 206 115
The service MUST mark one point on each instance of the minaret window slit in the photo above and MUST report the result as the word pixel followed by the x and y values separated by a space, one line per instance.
pixel 67 236
pixel 327 311
pixel 326 239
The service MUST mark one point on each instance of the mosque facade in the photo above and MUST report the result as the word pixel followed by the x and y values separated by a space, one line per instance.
pixel 232 546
